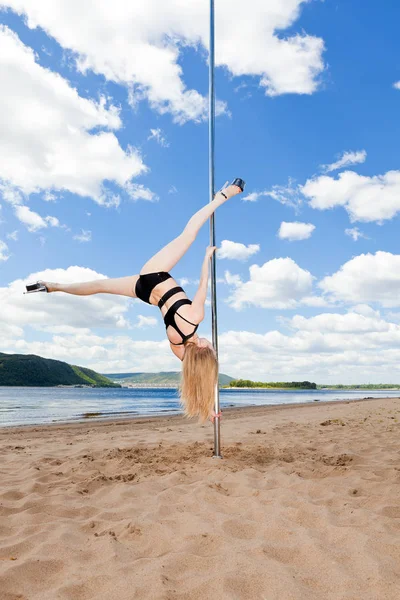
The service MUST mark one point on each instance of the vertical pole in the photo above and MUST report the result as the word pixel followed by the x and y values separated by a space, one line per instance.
pixel 211 130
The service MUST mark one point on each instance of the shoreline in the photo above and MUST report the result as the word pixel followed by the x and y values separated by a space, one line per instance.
pixel 229 412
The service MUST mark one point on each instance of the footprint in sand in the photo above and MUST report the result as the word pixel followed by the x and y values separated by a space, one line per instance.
pixel 219 488
pixel 205 544
pixel 38 574
pixel 107 532
pixel 12 495
pixel 281 554
pixel 393 512
pixel 240 530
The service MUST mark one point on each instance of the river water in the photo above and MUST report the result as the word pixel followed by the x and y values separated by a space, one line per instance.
pixel 38 405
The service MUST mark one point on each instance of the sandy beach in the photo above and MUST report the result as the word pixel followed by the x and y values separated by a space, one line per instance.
pixel 304 505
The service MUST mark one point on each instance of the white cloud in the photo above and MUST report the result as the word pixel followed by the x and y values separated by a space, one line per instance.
pixel 393 316
pixel 53 221
pixel 157 135
pixel 278 283
pixel 49 197
pixel 346 160
pixel 144 322
pixel 366 278
pixel 84 236
pixel 140 46
pixel 10 194
pixel 355 233
pixel 295 231
pixel 9 335
pixel 60 309
pixel 237 251
pixel 253 197
pixel 318 349
pixel 183 281
pixel 45 142
pixel 12 236
pixel 351 322
pixel 365 198
pixel 32 220
pixel 288 195
pixel 138 191
pixel 24 214
pixel 67 329
pixel 396 85
pixel 4 255
pixel 315 301
pixel 104 354
pixel 365 310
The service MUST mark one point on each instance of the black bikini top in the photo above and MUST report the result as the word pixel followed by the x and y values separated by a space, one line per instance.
pixel 169 317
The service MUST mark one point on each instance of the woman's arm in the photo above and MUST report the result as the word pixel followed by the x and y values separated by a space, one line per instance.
pixel 201 294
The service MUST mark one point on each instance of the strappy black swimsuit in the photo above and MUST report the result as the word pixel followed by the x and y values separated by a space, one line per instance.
pixel 145 285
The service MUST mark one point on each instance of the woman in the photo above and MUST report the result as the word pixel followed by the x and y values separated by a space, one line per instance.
pixel 155 285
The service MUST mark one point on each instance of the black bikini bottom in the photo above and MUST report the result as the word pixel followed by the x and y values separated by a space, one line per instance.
pixel 146 283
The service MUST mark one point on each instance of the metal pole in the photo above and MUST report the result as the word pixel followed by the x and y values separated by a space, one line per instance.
pixel 211 130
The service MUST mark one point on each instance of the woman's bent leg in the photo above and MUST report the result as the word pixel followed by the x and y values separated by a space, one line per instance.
pixel 167 257
pixel 122 286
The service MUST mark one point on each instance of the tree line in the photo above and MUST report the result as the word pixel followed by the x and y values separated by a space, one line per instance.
pixel 247 383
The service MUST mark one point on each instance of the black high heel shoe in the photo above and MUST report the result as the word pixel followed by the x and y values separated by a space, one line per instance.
pixel 240 183
pixel 36 287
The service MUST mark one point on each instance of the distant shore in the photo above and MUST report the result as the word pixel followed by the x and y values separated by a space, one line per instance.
pixel 276 389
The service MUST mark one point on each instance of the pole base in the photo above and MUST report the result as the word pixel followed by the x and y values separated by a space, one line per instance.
pixel 217 456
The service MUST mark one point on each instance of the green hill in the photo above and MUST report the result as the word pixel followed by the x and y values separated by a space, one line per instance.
pixel 31 370
pixel 169 378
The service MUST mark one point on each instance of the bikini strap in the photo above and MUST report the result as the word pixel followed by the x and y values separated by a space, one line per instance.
pixel 190 322
pixel 169 295
pixel 169 316
pixel 185 338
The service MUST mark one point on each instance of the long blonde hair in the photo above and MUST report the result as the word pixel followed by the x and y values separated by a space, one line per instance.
pixel 198 381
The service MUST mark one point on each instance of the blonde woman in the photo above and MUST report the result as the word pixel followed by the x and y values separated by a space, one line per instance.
pixel 156 286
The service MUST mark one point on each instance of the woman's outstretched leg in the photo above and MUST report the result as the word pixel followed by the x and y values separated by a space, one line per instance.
pixel 167 257
pixel 122 286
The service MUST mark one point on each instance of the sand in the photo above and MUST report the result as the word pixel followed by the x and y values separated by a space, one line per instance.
pixel 304 505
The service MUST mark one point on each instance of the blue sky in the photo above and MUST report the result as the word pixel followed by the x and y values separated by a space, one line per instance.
pixel 121 162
